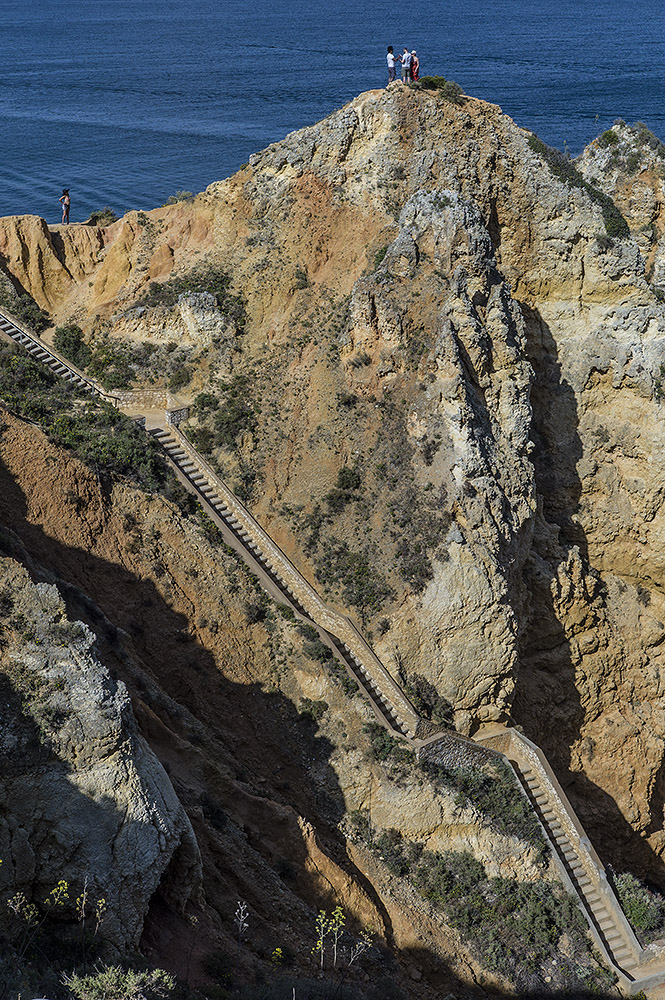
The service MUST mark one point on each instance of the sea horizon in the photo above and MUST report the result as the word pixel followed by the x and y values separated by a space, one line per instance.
pixel 127 106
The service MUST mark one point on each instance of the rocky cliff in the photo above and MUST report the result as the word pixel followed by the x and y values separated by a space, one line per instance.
pixel 442 398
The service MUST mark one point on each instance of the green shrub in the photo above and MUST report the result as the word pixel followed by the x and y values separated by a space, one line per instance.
pixel 70 342
pixel 509 925
pixel 237 413
pixel 379 255
pixel 173 199
pixel 644 909
pixel 608 138
pixel 447 89
pixel 24 309
pixel 96 433
pixel 382 742
pixel 206 401
pixel 633 161
pixel 105 439
pixel 398 854
pixel 646 138
pixel 313 709
pixel 112 982
pixel 492 789
pixel 563 170
pixel 362 583
pixel 348 478
pixel 111 362
pixel 202 438
pixel 102 217
pixel 200 279
pixel 181 377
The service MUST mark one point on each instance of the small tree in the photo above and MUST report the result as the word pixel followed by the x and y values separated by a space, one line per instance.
pixel 322 926
pixel 336 929
pixel 358 949
pixel 241 920
pixel 69 341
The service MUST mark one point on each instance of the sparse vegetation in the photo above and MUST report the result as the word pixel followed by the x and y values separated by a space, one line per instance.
pixel 514 928
pixel 173 199
pixel 491 788
pixel 181 377
pixel 361 582
pixel 23 308
pixel 104 438
pixel 69 340
pixel 314 710
pixel 102 217
pixel 644 909
pixel 199 279
pixel 385 747
pixel 562 168
pixel 111 361
pixel 236 413
pixel 446 89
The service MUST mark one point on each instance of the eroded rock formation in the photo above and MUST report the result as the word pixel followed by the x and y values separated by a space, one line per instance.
pixel 430 306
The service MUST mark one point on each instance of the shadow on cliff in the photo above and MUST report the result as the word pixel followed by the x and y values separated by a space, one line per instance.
pixel 244 762
pixel 45 818
pixel 547 701
pixel 431 976
pixel 242 801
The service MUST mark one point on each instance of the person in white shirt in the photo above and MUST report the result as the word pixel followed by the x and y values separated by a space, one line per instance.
pixel 391 64
pixel 406 66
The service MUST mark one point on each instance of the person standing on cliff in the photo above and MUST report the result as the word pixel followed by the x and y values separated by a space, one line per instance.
pixel 391 64
pixel 405 59
pixel 66 201
pixel 415 65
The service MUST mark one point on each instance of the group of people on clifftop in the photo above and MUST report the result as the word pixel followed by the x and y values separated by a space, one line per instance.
pixel 410 65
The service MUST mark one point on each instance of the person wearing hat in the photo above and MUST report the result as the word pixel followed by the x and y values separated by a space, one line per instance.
pixel 415 65
pixel 66 201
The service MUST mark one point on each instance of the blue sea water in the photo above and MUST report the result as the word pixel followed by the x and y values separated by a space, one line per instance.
pixel 127 101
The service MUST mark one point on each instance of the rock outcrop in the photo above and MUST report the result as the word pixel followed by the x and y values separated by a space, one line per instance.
pixel 84 799
pixel 444 404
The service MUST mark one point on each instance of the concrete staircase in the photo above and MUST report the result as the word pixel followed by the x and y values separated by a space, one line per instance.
pixel 46 355
pixel 387 697
pixel 581 870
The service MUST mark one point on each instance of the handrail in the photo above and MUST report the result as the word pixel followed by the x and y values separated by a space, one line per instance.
pixel 341 628
pixel 338 625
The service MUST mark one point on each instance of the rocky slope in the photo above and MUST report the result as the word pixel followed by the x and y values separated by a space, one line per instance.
pixel 443 401
pixel 83 795
pixel 221 684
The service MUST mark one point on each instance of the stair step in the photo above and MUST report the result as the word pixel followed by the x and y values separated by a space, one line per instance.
pixel 624 961
pixel 622 952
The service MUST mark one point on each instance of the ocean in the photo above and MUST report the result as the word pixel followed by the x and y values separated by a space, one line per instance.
pixel 126 102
